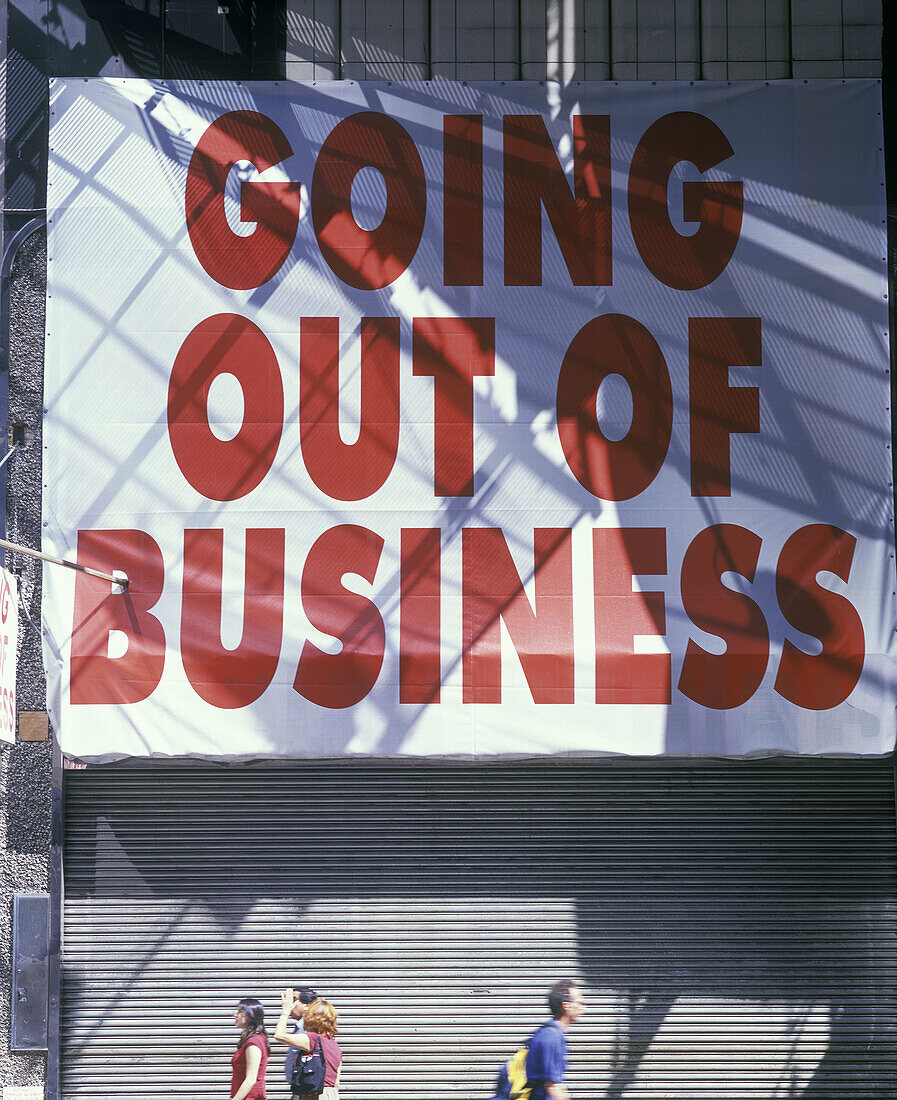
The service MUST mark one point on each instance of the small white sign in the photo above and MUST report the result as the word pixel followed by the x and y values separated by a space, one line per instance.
pixel 9 634
pixel 22 1092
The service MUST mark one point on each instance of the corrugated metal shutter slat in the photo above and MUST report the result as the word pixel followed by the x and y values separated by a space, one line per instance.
pixel 734 924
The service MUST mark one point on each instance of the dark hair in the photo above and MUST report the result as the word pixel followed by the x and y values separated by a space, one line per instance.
pixel 255 1021
pixel 558 994
pixel 305 993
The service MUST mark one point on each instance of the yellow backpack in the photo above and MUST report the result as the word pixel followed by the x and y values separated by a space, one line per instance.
pixel 512 1082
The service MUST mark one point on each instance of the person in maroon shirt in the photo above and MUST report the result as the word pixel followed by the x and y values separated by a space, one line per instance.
pixel 250 1061
pixel 319 1020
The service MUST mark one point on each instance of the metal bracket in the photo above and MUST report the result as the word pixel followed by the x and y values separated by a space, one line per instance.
pixel 30 971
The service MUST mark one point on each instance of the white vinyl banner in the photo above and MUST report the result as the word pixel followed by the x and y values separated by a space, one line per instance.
pixel 448 419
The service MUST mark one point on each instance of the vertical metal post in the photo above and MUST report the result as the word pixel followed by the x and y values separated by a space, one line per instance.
pixel 889 122
pixel 163 18
pixel 520 4
pixel 339 41
pixel 430 40
pixel 56 900
pixel 790 26
pixel 4 334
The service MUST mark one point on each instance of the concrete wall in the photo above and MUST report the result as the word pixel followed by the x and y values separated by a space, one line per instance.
pixel 26 767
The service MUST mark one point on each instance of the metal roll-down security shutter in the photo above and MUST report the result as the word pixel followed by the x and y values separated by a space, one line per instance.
pixel 733 924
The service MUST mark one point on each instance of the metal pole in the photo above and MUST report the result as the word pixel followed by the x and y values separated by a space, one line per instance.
pixel 120 579
pixel 56 902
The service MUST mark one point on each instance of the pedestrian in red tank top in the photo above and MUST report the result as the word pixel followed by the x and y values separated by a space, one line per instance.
pixel 250 1061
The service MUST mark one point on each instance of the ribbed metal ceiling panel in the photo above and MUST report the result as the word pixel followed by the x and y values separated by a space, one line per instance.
pixel 733 924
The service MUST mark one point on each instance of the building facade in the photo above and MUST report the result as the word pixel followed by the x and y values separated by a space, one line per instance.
pixel 733 921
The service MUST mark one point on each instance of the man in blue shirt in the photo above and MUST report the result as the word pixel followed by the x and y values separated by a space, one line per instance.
pixel 546 1062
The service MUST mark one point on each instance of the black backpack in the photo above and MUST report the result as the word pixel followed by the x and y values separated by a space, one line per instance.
pixel 307 1075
